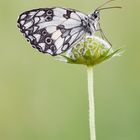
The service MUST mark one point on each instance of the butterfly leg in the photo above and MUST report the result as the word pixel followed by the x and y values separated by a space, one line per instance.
pixel 103 35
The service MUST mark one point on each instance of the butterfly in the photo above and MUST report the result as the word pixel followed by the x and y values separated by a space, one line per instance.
pixel 55 30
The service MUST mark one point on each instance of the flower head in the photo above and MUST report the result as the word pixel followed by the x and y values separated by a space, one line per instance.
pixel 91 50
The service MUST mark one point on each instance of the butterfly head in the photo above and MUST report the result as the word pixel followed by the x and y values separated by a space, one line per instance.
pixel 95 15
pixel 94 20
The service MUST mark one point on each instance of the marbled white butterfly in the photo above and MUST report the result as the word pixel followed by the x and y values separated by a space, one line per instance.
pixel 55 30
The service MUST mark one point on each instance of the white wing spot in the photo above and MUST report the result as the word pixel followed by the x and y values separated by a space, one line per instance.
pixel 67 38
pixel 74 30
pixel 56 34
pixel 82 16
pixel 27 32
pixel 74 16
pixel 35 29
pixel 51 29
pixel 37 36
pixel 65 47
pixel 22 22
pixel 49 51
pixel 45 24
pixel 58 19
pixel 32 13
pixel 42 45
pixel 59 12
pixel 40 13
pixel 23 16
pixel 29 24
pixel 31 38
pixel 59 42
pixel 73 38
pixel 36 19
pixel 71 23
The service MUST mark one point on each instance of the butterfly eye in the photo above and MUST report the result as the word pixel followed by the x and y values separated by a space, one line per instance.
pixel 49 12
pixel 95 15
pixel 48 40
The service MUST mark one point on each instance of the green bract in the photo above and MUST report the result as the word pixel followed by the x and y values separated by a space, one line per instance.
pixel 91 50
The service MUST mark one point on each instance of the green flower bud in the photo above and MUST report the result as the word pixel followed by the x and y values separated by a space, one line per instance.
pixel 91 50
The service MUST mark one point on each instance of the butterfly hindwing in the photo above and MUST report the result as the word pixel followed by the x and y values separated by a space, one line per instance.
pixel 52 30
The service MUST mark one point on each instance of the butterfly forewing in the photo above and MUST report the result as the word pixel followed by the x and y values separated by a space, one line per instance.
pixel 52 30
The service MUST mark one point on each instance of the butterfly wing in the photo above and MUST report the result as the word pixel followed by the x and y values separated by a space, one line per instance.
pixel 52 30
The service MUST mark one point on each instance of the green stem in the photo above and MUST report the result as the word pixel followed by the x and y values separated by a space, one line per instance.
pixel 91 103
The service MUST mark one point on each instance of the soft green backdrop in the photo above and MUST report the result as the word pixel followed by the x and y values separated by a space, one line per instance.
pixel 43 99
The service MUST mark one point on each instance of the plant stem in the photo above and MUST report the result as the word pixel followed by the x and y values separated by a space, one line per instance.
pixel 91 103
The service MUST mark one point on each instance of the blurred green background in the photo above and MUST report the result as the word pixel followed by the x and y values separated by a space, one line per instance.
pixel 43 99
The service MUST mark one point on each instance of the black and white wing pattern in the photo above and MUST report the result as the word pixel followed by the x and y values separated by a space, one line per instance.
pixel 52 30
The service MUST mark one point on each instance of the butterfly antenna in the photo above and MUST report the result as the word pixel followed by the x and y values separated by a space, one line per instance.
pixel 105 8
pixel 104 4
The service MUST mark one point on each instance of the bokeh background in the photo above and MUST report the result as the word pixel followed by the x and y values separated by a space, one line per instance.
pixel 43 99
